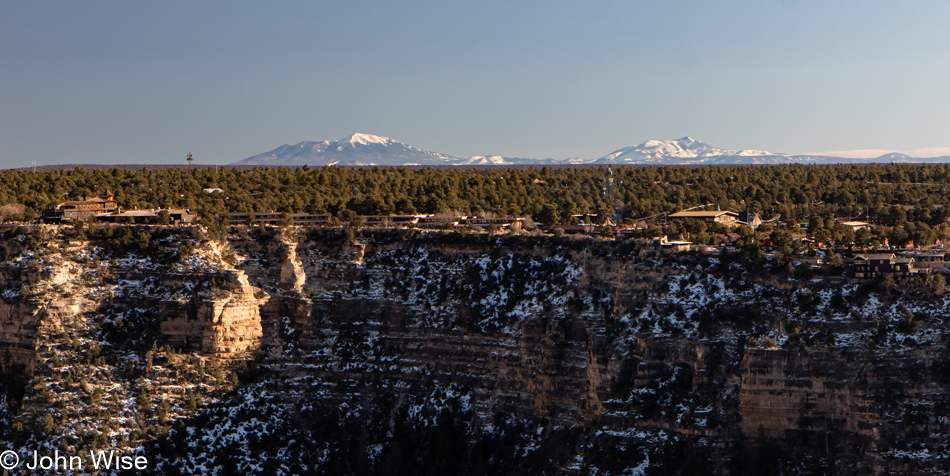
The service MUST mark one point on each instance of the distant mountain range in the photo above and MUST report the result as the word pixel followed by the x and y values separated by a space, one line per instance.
pixel 357 149
pixel 367 149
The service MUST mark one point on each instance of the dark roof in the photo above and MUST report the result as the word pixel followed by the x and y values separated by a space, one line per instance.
pixel 875 256
pixel 702 214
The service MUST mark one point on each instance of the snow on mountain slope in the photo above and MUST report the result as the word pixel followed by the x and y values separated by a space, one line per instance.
pixel 675 151
pixel 689 151
pixel 499 160
pixel 363 139
pixel 356 149
pixel 368 149
pixel 482 160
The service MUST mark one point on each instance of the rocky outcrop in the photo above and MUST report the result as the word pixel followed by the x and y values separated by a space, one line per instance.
pixel 230 325
pixel 235 325
pixel 292 276
pixel 21 321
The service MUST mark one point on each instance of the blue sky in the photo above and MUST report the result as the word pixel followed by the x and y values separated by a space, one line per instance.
pixel 148 82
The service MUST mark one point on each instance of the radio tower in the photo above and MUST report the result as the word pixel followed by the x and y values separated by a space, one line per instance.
pixel 190 159
pixel 609 195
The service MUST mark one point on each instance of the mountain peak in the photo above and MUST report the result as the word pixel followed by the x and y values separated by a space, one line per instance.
pixel 895 156
pixel 356 149
pixel 359 138
pixel 685 143
pixel 681 151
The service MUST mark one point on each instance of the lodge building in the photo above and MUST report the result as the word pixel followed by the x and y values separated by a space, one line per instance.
pixel 79 210
pixel 106 209
pixel 873 265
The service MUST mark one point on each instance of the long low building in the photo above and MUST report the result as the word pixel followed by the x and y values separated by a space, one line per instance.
pixel 436 222
pixel 485 222
pixel 276 218
pixel 419 221
pixel 724 217
pixel 176 216
pixel 391 220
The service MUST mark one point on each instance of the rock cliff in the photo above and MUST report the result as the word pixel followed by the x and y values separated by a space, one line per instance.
pixel 462 353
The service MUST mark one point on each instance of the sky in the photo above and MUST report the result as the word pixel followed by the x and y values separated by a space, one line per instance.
pixel 148 82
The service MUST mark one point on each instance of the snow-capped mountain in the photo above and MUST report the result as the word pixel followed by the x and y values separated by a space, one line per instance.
pixel 499 160
pixel 357 149
pixel 482 160
pixel 689 151
pixel 368 149
pixel 652 150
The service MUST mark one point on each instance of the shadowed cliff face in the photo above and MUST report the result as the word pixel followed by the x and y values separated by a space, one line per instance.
pixel 409 353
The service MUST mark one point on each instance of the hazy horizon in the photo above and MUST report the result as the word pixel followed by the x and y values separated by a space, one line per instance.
pixel 117 82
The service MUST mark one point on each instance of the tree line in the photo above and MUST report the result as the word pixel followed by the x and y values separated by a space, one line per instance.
pixel 892 195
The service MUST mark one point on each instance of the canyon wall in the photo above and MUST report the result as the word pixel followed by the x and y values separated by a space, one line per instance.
pixel 591 356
